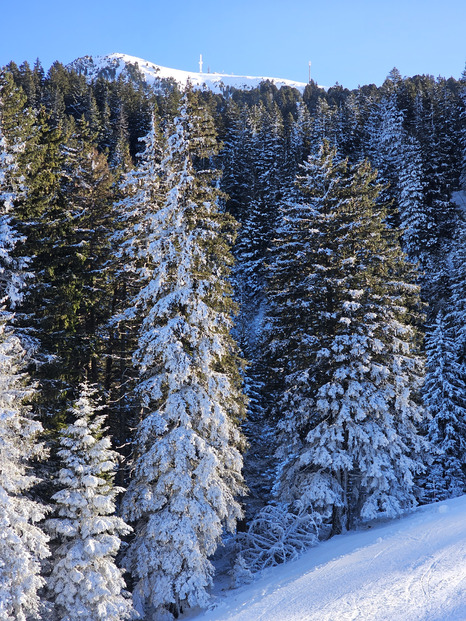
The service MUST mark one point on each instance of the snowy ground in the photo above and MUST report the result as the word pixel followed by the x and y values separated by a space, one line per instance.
pixel 409 569
pixel 460 199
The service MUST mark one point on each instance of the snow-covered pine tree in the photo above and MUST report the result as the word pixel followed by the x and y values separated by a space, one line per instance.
pixel 349 125
pixel 416 219
pixel 385 144
pixel 260 168
pixel 299 140
pixel 349 365
pixel 237 158
pixel 22 543
pixel 290 320
pixel 85 582
pixel 323 125
pixel 80 288
pixel 140 192
pixel 462 136
pixel 444 396
pixel 259 214
pixel 455 295
pixel 434 121
pixel 445 382
pixel 187 462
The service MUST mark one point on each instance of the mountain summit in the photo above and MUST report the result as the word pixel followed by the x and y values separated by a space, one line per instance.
pixel 112 65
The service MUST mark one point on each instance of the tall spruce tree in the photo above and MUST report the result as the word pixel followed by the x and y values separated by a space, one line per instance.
pixel 343 299
pixel 22 543
pixel 444 396
pixel 187 466
pixel 462 133
pixel 67 214
pixel 82 287
pixel 417 220
pixel 141 193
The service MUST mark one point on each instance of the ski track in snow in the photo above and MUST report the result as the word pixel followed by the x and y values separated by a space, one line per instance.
pixel 411 569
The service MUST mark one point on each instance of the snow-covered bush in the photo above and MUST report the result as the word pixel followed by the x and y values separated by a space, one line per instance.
pixel 277 534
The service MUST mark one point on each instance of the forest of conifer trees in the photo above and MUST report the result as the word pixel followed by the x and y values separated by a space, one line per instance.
pixel 225 318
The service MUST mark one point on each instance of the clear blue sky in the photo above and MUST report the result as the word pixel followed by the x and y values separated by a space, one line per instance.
pixel 348 41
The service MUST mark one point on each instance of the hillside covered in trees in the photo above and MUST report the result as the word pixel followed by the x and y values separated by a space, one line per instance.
pixel 233 317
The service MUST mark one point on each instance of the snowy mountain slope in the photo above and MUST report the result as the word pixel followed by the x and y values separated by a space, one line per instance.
pixel 411 569
pixel 460 199
pixel 112 65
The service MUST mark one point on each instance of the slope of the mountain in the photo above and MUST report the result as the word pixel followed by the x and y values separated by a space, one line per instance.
pixel 410 569
pixel 112 65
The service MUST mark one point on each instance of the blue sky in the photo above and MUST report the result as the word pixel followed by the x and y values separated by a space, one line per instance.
pixel 348 41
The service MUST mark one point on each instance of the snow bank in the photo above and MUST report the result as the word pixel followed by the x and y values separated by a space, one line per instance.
pixel 409 569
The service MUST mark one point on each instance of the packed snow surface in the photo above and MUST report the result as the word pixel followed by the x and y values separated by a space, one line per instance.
pixel 410 569
pixel 114 64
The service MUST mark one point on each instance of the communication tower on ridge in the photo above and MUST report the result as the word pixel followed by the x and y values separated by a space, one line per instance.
pixel 309 72
pixel 200 63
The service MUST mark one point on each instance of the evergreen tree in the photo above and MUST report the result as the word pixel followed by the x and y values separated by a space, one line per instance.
pixel 17 120
pixel 434 124
pixel 349 366
pixel 462 133
pixel 237 159
pixel 141 193
pixel 85 583
pixel 300 137
pixel 187 467
pixel 67 218
pixel 22 542
pixel 258 223
pixel 455 298
pixel 83 291
pixel 444 396
pixel 323 125
pixel 385 147
pixel 417 221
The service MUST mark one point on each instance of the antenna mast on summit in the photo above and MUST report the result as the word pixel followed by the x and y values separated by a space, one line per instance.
pixel 200 63
pixel 309 72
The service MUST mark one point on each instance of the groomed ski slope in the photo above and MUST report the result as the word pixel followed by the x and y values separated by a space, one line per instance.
pixel 409 569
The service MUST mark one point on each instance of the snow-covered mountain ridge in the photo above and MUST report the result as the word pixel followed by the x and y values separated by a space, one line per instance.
pixel 112 65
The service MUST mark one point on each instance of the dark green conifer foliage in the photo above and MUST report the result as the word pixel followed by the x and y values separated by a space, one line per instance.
pixel 65 219
pixel 444 396
pixel 82 287
pixel 343 351
pixel 462 129
pixel 411 129
pixel 17 120
pixel 138 193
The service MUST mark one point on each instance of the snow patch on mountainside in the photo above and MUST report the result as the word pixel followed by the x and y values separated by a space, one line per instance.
pixel 460 199
pixel 410 569
pixel 112 65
